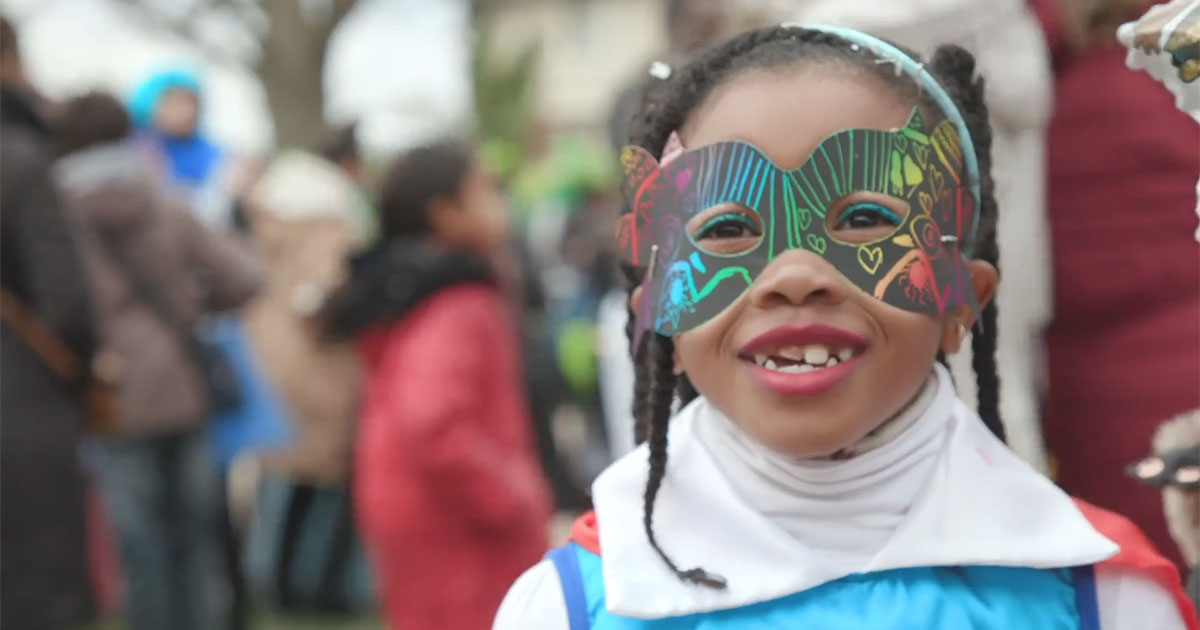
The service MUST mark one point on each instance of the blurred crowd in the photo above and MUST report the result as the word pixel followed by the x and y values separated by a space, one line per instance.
pixel 316 383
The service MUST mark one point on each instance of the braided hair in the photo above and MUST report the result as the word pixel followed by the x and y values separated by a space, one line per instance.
pixel 667 107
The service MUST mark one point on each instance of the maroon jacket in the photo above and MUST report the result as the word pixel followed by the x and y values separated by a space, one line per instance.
pixel 1124 347
pixel 449 493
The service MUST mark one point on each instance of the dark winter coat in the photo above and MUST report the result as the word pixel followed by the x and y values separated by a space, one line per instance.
pixel 122 209
pixel 43 555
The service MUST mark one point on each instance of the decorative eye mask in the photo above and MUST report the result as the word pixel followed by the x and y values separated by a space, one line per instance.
pixel 891 210
pixel 1179 467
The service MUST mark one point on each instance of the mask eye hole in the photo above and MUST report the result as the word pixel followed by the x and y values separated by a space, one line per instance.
pixel 862 218
pixel 1149 468
pixel 1188 475
pixel 727 230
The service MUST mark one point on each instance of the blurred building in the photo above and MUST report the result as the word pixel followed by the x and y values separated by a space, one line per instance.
pixel 588 52
pixel 591 49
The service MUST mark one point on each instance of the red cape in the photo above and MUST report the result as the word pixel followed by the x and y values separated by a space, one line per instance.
pixel 1138 554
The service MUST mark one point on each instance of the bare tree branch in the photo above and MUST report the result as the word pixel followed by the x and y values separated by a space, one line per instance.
pixel 292 50
pixel 251 14
pixel 183 27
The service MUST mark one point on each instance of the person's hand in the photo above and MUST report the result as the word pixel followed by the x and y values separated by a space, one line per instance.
pixel 1166 44
pixel 1172 30
pixel 1183 42
pixel 1090 23
pixel 1185 32
pixel 1148 30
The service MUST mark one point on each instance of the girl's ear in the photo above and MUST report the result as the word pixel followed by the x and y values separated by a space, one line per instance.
pixel 960 321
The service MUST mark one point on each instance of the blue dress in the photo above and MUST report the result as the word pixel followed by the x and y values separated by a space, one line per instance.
pixel 921 598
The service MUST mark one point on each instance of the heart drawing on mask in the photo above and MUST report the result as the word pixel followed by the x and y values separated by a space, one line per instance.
pixel 805 218
pixel 683 179
pixel 922 153
pixel 926 203
pixel 818 244
pixel 870 258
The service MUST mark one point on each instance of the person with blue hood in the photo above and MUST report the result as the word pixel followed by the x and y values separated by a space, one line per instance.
pixel 166 111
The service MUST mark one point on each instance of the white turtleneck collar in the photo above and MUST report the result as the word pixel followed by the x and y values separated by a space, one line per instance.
pixel 942 491
pixel 844 510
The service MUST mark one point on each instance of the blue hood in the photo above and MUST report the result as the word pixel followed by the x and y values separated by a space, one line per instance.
pixel 192 159
pixel 146 96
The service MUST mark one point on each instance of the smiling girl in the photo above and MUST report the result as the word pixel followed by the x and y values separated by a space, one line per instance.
pixel 810 228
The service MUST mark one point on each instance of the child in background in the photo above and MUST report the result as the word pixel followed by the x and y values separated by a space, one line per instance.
pixel 166 110
pixel 819 230
pixel 449 495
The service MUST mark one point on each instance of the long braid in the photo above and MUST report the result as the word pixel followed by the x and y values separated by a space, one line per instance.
pixel 659 352
pixel 956 69
pixel 641 382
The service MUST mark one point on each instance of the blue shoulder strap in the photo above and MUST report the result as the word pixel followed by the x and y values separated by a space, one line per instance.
pixel 567 563
pixel 1085 598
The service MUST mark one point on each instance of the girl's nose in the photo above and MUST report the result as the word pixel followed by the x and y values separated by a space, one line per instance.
pixel 796 278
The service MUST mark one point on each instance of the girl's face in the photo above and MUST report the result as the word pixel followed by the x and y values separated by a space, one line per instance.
pixel 800 309
pixel 477 220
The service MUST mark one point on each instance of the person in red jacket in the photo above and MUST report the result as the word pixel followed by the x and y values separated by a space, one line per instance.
pixel 448 493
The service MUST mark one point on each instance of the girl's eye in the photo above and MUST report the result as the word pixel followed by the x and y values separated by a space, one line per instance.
pixel 865 216
pixel 728 230
pixel 862 221
pixel 728 225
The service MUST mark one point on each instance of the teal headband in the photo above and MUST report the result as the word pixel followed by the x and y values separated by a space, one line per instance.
pixel 909 66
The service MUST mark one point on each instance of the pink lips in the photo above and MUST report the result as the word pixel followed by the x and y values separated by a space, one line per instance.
pixel 808 383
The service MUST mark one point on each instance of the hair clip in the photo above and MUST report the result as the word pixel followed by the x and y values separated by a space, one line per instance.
pixel 660 70
pixel 949 238
pixel 653 261
pixel 895 64
pixel 643 312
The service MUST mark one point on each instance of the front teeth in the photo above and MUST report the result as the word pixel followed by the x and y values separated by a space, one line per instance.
pixel 792 353
pixel 805 359
pixel 793 368
pixel 816 355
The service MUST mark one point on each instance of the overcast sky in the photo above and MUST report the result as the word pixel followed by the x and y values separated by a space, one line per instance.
pixel 400 66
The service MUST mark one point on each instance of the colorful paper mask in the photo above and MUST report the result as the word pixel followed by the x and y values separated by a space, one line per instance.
pixel 918 264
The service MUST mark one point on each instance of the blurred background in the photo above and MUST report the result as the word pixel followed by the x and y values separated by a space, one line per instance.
pixel 228 493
